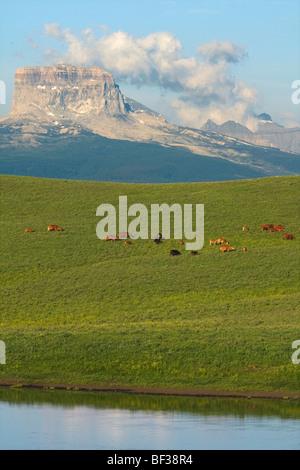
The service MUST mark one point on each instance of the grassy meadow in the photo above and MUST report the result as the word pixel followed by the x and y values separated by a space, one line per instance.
pixel 78 311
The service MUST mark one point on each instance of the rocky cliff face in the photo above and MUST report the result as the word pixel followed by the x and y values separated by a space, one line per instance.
pixel 65 91
pixel 65 101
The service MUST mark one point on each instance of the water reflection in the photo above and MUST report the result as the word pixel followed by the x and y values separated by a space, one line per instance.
pixel 239 407
pixel 52 419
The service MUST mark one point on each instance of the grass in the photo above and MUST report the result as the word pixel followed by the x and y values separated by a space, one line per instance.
pixel 78 311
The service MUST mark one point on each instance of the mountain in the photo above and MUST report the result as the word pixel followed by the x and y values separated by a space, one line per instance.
pixel 74 122
pixel 268 133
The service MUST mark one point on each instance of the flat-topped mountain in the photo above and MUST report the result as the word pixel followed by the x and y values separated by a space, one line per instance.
pixel 53 105
pixel 65 91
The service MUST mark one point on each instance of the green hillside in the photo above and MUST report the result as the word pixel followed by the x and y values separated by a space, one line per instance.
pixel 90 157
pixel 76 310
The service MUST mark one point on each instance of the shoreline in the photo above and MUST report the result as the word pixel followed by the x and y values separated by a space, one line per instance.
pixel 163 391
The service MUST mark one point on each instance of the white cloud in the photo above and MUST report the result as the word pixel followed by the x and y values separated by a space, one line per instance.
pixel 226 51
pixel 204 83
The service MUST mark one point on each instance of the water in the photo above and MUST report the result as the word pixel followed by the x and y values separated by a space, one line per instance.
pixel 42 420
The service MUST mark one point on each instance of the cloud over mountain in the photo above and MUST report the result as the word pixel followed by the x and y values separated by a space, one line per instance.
pixel 204 82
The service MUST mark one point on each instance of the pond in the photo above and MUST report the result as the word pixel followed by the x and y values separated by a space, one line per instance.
pixel 73 420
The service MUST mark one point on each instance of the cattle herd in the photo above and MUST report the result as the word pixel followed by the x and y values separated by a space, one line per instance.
pixel 224 244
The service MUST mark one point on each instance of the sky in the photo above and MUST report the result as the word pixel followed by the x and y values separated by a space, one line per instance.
pixel 190 60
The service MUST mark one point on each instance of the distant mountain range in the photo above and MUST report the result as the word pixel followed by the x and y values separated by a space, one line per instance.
pixel 74 122
pixel 268 133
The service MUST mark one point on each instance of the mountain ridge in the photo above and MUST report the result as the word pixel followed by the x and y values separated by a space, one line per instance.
pixel 69 101
pixel 268 133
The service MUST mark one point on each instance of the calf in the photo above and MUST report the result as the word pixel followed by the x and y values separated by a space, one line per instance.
pixel 28 230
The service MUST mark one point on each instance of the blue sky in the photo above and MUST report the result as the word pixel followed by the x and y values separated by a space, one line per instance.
pixel 262 37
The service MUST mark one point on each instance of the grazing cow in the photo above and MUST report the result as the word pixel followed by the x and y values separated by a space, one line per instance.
pixel 174 252
pixel 157 240
pixel 181 242
pixel 244 248
pixel 245 228
pixel 288 236
pixel 127 242
pixel 111 238
pixel 225 249
pixel 266 227
pixel 279 228
pixel 123 235
pixel 28 230
pixel 54 228
pixel 194 253
pixel 222 241
pixel 216 242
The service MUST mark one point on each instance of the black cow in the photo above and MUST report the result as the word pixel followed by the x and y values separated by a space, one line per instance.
pixel 174 252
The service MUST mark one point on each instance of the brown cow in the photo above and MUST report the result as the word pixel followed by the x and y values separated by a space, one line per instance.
pixel 222 241
pixel 245 228
pixel 266 227
pixel 288 236
pixel 54 228
pixel 219 241
pixel 225 249
pixel 279 228
pixel 244 248
pixel 181 242
pixel 127 242
pixel 111 238
pixel 28 230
